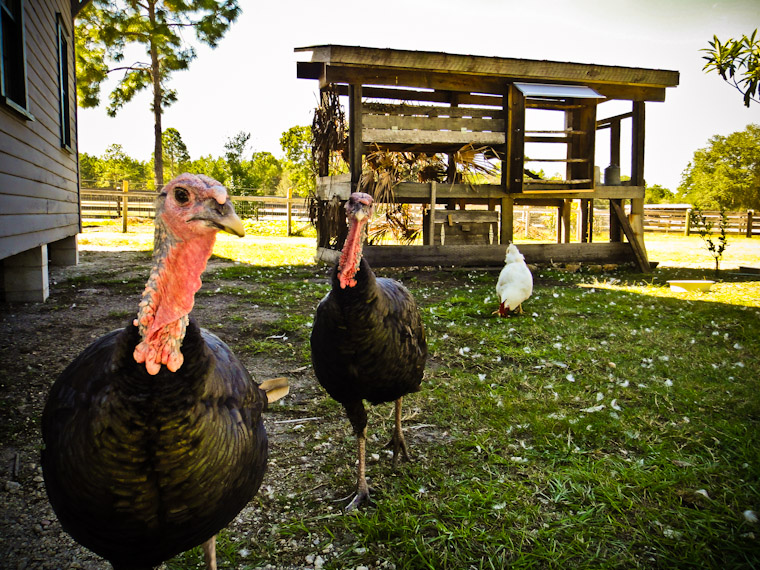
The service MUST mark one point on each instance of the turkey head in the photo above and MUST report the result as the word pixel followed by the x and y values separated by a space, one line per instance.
pixel 190 210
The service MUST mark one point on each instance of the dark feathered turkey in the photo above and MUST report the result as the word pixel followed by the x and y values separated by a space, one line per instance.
pixel 368 340
pixel 153 436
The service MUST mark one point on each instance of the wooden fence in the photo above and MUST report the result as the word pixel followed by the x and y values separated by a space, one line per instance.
pixel 530 222
pixel 96 203
pixel 660 218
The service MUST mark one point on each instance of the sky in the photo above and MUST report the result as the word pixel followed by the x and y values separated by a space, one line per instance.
pixel 248 83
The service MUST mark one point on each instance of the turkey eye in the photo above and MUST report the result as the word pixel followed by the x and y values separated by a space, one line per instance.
pixel 181 196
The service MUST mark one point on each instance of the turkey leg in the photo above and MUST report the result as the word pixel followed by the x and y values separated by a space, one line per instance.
pixel 362 489
pixel 209 553
pixel 397 442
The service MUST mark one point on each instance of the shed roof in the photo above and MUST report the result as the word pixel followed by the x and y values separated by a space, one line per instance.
pixel 438 70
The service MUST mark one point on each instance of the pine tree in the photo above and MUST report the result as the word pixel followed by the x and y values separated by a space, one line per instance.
pixel 105 28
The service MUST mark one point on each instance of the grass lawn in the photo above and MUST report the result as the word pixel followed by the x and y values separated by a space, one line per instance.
pixel 615 424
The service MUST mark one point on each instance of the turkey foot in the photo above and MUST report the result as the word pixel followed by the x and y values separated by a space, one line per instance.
pixel 361 497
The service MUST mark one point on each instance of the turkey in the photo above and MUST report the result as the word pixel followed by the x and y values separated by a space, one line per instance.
pixel 153 436
pixel 515 283
pixel 367 341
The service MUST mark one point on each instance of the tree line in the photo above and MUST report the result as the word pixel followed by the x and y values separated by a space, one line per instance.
pixel 243 171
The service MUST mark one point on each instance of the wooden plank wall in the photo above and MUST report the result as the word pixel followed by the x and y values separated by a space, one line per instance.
pixel 39 201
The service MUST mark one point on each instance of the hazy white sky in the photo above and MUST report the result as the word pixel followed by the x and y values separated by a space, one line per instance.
pixel 249 82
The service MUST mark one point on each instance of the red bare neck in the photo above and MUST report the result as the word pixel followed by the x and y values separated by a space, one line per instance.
pixel 168 299
pixel 351 254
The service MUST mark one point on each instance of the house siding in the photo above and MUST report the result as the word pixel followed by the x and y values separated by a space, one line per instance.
pixel 39 189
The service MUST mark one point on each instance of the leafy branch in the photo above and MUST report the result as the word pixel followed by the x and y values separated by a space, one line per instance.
pixel 737 62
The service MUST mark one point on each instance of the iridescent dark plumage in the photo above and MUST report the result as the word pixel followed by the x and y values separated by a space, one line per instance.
pixel 368 340
pixel 153 435
pixel 139 467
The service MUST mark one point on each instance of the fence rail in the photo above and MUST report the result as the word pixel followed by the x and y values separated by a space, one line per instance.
pixel 97 203
pixel 528 221
pixel 665 219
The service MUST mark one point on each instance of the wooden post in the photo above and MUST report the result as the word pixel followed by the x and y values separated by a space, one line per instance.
pixel 290 211
pixel 507 220
pixel 356 146
pixel 637 144
pixel 451 171
pixel 637 223
pixel 583 222
pixel 639 252
pixel 637 170
pixel 566 219
pixel 513 165
pixel 616 235
pixel 687 223
pixel 124 206
pixel 431 220
pixel 750 216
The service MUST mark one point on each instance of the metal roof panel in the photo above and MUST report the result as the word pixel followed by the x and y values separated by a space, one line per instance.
pixel 557 91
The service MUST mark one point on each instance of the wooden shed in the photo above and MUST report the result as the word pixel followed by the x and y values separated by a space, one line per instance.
pixel 440 103
pixel 39 182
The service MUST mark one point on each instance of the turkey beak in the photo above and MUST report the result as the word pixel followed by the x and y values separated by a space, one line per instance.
pixel 361 211
pixel 223 217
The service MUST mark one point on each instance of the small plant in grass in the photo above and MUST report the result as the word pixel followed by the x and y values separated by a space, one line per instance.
pixel 705 229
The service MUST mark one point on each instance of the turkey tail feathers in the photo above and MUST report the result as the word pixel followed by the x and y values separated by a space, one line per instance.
pixel 276 388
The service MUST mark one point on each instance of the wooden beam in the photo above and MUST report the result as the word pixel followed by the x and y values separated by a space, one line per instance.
pixel 638 250
pixel 418 193
pixel 585 220
pixel 507 231
pixel 608 121
pixel 637 143
pixel 542 70
pixel 543 139
pixel 487 85
pixel 309 70
pixel 356 146
pixel 415 79
pixel 566 210
pixel 515 140
pixel 431 217
pixel 395 94
pixel 629 93
pixel 484 255
pixel 616 233
pixel 451 138
pixel 429 111
pixel 615 143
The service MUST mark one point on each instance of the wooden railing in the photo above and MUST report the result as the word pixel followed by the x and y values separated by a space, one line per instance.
pixel 529 221
pixel 664 219
pixel 96 203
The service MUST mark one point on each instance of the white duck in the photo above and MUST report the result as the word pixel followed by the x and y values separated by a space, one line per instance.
pixel 515 283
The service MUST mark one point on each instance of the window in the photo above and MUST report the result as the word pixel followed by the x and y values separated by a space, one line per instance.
pixel 63 83
pixel 13 62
